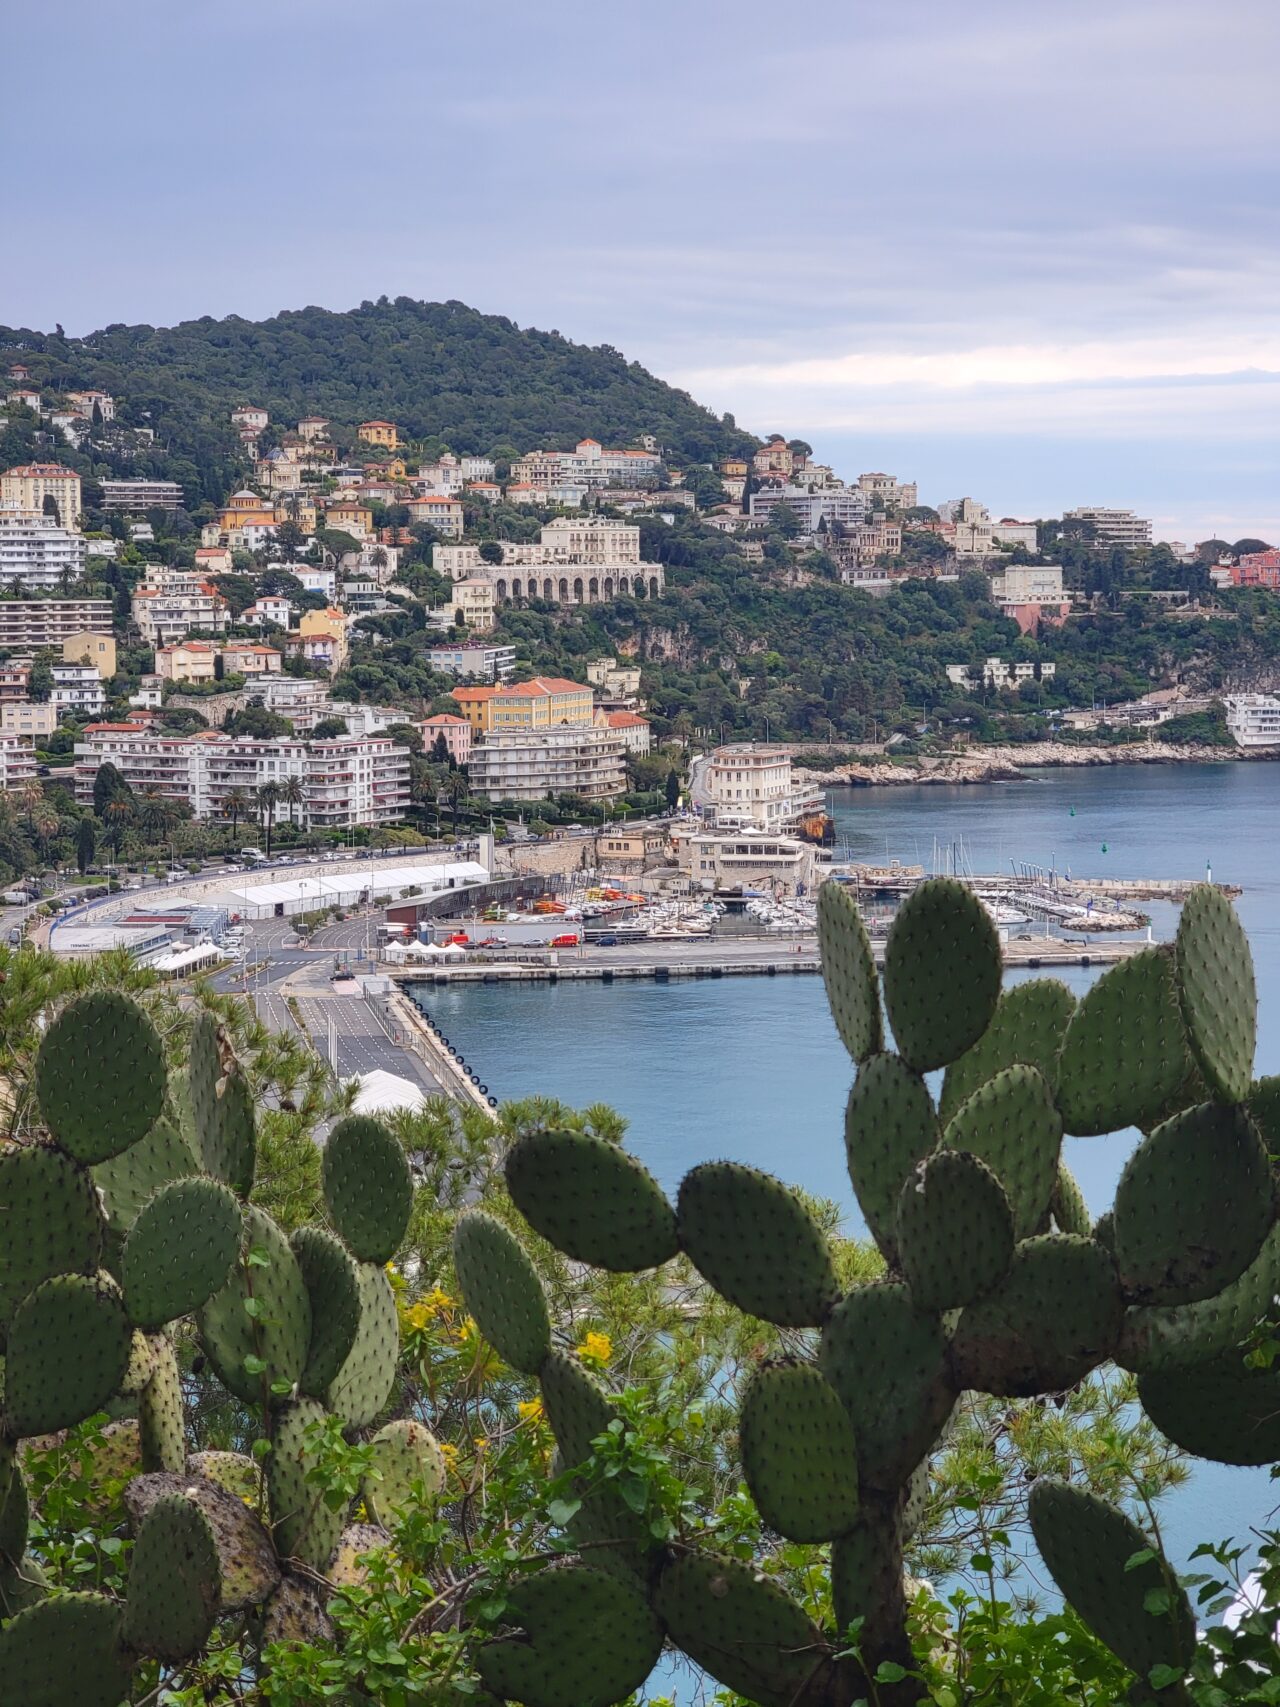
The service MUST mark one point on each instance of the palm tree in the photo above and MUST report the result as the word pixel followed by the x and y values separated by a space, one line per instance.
pixel 117 815
pixel 268 797
pixel 236 805
pixel 293 795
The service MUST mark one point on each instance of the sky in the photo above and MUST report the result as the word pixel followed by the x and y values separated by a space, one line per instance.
pixel 1026 253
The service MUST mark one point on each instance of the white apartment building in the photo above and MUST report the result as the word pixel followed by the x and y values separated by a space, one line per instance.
pixel 751 859
pixel 748 786
pixel 1113 527
pixel 843 504
pixel 348 781
pixel 135 496
pixel 77 691
pixel 996 673
pixel 272 610
pixel 35 551
pixel 473 663
pixel 302 699
pixel 1254 719
pixel 165 617
pixel 614 680
pixel 1028 584
pixel 533 764
pixel 589 464
pixel 17 762
pixel 34 624
pixel 1007 533
pixel 367 719
pixel 314 580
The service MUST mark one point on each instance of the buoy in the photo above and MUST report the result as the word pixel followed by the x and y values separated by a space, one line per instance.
pixel 1104 847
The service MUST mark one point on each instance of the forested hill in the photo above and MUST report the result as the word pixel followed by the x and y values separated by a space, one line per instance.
pixel 438 369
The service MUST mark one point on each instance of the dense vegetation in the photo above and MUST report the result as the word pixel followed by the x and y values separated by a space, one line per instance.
pixel 442 371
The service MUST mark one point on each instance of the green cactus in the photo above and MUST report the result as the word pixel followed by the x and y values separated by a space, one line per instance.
pixel 849 972
pixel 161 1424
pixel 68 1652
pixel 502 1290
pixel 175 1583
pixel 1193 1206
pixel 13 1508
pixel 69 1346
pixel 1012 1125
pixel 941 974
pixel 1221 1409
pixel 579 1638
pixel 591 1200
pixel 955 1231
pixel 333 1287
pixel 1109 1571
pixel 1069 1209
pixel 1027 1027
pixel 248 1568
pixel 128 1180
pixel 256 1329
pixel 1216 991
pixel 1169 1336
pixel 890 1125
pixel 180 1251
pixel 406 1456
pixel 100 1076
pixel 367 1187
pixel 799 1452
pixel 49 1202
pixel 363 1384
pixel 1125 1057
pixel 303 1523
pixel 755 1242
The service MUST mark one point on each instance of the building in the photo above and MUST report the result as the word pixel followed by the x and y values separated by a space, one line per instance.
pixel 887 492
pixel 15 679
pixel 536 764
pixel 191 661
pixel 315 580
pixel 246 515
pixel 473 603
pixel 270 611
pixel 996 673
pixel 378 433
pixel 213 559
pixel 543 703
pixel 29 484
pixel 1254 719
pixel 1254 569
pixel 470 662
pixel 240 658
pixel 455 733
pixel 301 699
pixel 368 719
pixel 634 732
pixel 436 510
pixel 344 782
pixel 1112 527
pixel 77 692
pixel 748 786
pixel 36 624
pixel 1028 584
pixel 588 465
pixel 349 515
pixel 614 680
pixel 17 762
pixel 32 719
pixel 35 551
pixel 313 429
pixel 846 505
pixel 249 419
pixel 773 460
pixel 321 637
pixel 1008 533
pixel 136 495
pixel 84 403
pixel 747 859
pixel 164 615
pixel 573 562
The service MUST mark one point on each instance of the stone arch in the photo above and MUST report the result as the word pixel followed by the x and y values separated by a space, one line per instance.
pixel 502 589
pixel 564 590
pixel 608 586
pixel 637 590
pixel 653 586
pixel 516 586
pixel 548 591
pixel 623 586
pixel 593 590
pixel 577 589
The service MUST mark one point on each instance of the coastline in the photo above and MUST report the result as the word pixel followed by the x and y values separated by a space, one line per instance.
pixel 1011 764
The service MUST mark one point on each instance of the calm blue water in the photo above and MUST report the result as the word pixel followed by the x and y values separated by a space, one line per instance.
pixel 751 1068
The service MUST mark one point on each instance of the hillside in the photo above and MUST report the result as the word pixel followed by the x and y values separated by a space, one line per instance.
pixel 440 370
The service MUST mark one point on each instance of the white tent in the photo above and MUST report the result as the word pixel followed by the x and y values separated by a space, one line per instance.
pixel 380 1092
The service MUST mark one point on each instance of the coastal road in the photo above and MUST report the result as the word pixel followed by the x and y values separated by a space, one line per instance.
pixel 361 1044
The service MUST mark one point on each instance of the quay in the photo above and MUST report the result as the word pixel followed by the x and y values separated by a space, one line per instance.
pixel 897 879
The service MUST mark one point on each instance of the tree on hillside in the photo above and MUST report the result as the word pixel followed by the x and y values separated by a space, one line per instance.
pixel 236 804
pixel 86 844
pixel 329 729
pixel 109 785
pixel 673 789
pixel 1244 547
pixel 267 798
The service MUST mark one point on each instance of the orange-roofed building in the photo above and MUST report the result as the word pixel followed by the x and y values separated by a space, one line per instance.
pixel 378 433
pixel 546 702
pixel 473 703
pixel 455 731
pixel 633 731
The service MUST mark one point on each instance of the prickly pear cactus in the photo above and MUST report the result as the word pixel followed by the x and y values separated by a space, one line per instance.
pixel 998 1282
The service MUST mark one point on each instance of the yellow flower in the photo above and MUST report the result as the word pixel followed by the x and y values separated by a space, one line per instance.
pixel 596 1348
pixel 437 1301
pixel 449 1452
pixel 530 1410
pixel 479 1442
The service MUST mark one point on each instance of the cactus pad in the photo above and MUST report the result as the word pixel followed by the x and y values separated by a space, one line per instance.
pixel 1012 1124
pixel 100 1076
pixel 1216 991
pixel 1221 1410
pixel 230 1142
pixel 69 1345
pixel 50 1220
pixel 577 1407
pixel 849 972
pixel 741 1628
pixel 591 1199
pixel 1028 1026
pixel 585 1640
pixel 889 1126
pixel 302 1522
pixel 1088 1545
pixel 363 1384
pixel 296 1613
pixel 175 1583
pixel 333 1286
pixel 161 1421
pixel 1193 1205
pixel 1070 1211
pixel 65 1653
pixel 235 1471
pixel 866 1574
pixel 1055 1316
pixel 367 1186
pixel 887 1361
pixel 21 1586
pixel 13 1507
pixel 798 1452
pixel 346 1568
pixel 955 1231
pixel 1168 1336
pixel 941 973
pixel 136 1174
pixel 247 1563
pixel 1125 1057
pixel 502 1291
pixel 755 1242
pixel 180 1250
pixel 274 1331
pixel 406 1456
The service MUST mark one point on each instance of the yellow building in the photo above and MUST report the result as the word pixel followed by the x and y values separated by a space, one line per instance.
pixel 246 509
pixel 30 483
pixel 89 648
pixel 546 702
pixel 299 510
pixel 379 433
pixel 193 661
pixel 347 516
pixel 473 601
pixel 330 624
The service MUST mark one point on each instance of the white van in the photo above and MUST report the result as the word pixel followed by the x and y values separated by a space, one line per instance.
pixel 255 856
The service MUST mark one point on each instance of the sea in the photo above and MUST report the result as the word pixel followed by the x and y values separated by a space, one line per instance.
pixel 751 1069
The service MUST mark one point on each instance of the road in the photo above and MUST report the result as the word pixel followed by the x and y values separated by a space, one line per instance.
pixel 361 1044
